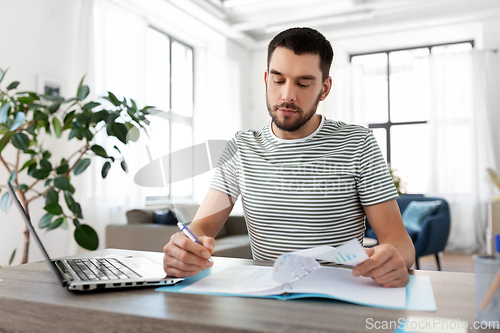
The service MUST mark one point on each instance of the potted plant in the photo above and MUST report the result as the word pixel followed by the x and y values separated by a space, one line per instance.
pixel 28 117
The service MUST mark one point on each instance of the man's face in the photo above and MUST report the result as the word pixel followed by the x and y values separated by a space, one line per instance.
pixel 294 87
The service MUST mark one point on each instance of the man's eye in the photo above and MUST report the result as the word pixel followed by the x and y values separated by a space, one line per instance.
pixel 303 85
pixel 279 82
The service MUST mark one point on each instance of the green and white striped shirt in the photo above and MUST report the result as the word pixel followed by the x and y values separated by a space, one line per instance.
pixel 307 192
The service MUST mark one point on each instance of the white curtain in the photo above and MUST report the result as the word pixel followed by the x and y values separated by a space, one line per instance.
pixel 461 144
pixel 345 102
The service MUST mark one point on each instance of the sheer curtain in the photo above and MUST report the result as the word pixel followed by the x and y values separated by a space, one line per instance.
pixel 345 102
pixel 461 144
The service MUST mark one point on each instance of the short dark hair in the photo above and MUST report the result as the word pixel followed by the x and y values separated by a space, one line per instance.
pixel 301 41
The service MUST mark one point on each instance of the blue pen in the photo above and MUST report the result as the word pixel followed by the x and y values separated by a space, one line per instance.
pixel 185 230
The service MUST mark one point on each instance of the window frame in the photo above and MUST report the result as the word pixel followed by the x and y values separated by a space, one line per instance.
pixel 389 124
pixel 172 118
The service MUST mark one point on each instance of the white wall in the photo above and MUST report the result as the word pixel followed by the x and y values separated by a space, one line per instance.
pixel 38 38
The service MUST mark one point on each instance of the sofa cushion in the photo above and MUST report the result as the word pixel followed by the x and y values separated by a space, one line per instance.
pixel 416 212
pixel 139 216
pixel 167 218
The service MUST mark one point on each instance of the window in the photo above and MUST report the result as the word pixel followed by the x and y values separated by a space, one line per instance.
pixel 396 90
pixel 170 88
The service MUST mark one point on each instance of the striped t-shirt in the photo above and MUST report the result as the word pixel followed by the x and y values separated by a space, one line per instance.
pixel 301 193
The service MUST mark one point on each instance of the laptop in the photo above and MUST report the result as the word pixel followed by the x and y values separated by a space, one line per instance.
pixel 86 274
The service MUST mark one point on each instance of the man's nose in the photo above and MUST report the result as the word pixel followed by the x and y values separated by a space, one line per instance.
pixel 289 93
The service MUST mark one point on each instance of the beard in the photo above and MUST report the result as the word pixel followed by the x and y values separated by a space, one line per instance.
pixel 287 123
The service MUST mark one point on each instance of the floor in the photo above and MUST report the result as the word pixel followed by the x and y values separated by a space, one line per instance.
pixel 450 262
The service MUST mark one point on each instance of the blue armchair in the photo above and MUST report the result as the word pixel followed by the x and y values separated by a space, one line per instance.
pixel 433 236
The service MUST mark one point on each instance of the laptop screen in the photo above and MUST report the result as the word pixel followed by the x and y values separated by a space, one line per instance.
pixel 27 220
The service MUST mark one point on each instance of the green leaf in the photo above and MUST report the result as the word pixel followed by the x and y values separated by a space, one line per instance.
pixel 90 105
pixel 77 209
pixel 54 107
pixel 133 133
pixel 81 83
pixel 47 182
pixel 124 166
pixel 99 151
pixel 105 169
pixel 68 119
pixel 21 141
pixel 12 256
pixel 69 199
pixel 74 132
pixel 71 189
pixel 56 223
pixel 53 208
pixel 45 221
pixel 2 73
pixel 76 223
pixel 27 164
pixel 4 112
pixel 25 100
pixel 83 92
pixel 64 224
pixel 6 202
pixel 19 119
pixel 117 149
pixel 57 127
pixel 12 177
pixel 46 154
pixel 86 237
pixel 23 187
pixel 4 140
pixel 87 134
pixel 13 85
pixel 113 99
pixel 45 165
pixel 32 166
pixel 120 131
pixel 62 183
pixel 63 168
pixel 39 173
pixel 52 197
pixel 81 166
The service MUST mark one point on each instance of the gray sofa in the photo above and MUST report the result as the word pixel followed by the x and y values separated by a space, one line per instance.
pixel 142 233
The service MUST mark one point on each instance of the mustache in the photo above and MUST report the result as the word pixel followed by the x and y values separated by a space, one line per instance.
pixel 287 105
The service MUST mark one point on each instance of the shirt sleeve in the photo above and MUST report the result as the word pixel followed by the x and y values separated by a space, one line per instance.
pixel 375 184
pixel 225 178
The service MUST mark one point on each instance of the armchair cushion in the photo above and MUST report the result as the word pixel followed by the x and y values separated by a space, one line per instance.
pixel 417 211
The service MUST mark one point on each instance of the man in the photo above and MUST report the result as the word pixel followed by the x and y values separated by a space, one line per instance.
pixel 304 180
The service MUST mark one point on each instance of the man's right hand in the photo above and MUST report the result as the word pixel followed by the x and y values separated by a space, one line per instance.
pixel 184 258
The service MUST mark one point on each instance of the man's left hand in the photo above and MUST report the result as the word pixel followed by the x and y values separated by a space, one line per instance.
pixel 385 265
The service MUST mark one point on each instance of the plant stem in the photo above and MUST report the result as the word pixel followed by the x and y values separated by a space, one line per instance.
pixel 5 164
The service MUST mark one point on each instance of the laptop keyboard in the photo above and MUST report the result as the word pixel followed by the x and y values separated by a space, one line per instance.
pixel 101 269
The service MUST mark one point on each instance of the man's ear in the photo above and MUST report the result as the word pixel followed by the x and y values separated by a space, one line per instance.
pixel 327 86
pixel 265 78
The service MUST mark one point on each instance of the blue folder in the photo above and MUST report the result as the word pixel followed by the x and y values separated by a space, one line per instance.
pixel 419 294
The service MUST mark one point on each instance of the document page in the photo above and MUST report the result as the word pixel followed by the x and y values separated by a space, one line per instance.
pixel 238 280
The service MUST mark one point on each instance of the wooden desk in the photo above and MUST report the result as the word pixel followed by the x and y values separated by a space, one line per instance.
pixel 31 300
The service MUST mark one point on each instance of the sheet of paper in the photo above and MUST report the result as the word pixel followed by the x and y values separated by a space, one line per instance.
pixel 292 266
pixel 237 280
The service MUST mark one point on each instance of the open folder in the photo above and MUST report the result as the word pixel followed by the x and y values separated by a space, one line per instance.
pixel 296 275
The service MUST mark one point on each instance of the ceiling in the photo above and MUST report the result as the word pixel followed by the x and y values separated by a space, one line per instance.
pixel 254 22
